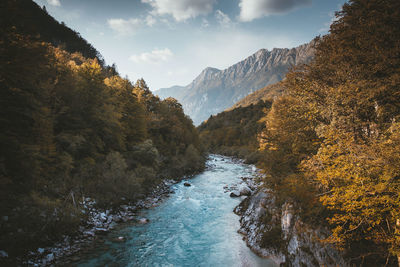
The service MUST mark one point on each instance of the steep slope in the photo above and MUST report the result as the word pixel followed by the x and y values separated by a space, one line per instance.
pixel 27 18
pixel 71 130
pixel 215 90
pixel 235 132
pixel 268 93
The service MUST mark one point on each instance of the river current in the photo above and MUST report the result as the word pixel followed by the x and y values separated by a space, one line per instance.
pixel 194 226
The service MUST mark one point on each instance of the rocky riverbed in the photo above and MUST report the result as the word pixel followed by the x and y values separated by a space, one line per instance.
pixel 278 233
pixel 194 226
pixel 99 222
pixel 271 231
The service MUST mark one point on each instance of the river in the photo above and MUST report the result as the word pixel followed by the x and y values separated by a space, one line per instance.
pixel 194 226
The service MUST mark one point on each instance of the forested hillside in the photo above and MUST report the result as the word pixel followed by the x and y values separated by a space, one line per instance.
pixel 235 132
pixel 71 129
pixel 331 143
pixel 268 93
pixel 27 18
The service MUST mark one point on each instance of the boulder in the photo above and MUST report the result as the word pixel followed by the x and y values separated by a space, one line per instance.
pixel 3 254
pixel 50 257
pixel 186 184
pixel 143 220
pixel 234 194
pixel 245 191
pixel 101 230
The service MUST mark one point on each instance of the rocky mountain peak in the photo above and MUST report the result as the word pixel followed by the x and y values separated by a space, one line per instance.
pixel 215 90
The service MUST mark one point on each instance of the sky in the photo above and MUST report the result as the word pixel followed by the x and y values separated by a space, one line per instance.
pixel 169 42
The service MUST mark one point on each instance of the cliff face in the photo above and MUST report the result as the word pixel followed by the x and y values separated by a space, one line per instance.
pixel 278 233
pixel 215 90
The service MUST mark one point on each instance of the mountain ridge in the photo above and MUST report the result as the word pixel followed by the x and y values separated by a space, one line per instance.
pixel 215 90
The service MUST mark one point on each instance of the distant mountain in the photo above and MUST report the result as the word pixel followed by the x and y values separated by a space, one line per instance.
pixel 215 90
pixel 176 91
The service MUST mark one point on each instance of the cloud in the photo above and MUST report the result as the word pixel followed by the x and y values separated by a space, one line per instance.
pixel 124 27
pixel 223 19
pixel 328 24
pixel 205 23
pixel 54 2
pixel 254 9
pixel 154 57
pixel 150 20
pixel 181 10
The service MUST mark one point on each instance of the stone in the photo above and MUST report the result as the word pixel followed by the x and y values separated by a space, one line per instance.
pixel 50 257
pixel 3 254
pixel 101 230
pixel 143 220
pixel 301 241
pixel 245 191
pixel 234 194
pixel 187 184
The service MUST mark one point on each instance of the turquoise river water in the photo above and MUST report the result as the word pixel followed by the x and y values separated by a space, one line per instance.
pixel 194 226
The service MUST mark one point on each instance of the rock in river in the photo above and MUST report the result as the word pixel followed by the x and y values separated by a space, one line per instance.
pixel 143 220
pixel 234 194
pixel 187 184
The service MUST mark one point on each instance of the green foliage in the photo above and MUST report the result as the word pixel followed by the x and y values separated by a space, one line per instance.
pixel 329 144
pixel 71 128
pixel 272 235
pixel 331 139
pixel 235 132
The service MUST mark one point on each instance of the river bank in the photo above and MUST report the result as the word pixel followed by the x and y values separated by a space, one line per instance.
pixel 99 222
pixel 194 226
pixel 278 233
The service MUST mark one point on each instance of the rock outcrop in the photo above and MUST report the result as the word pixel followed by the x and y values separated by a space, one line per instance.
pixel 215 90
pixel 279 234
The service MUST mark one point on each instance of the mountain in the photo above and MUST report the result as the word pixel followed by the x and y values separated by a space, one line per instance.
pixel 215 90
pixel 28 18
pixel 268 93
pixel 177 91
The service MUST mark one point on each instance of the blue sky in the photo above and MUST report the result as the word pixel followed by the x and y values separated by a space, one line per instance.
pixel 169 42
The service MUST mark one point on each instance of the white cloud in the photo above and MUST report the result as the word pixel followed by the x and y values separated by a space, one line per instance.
pixel 254 9
pixel 150 20
pixel 54 2
pixel 327 25
pixel 181 10
pixel 124 27
pixel 219 49
pixel 223 19
pixel 154 57
pixel 204 23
